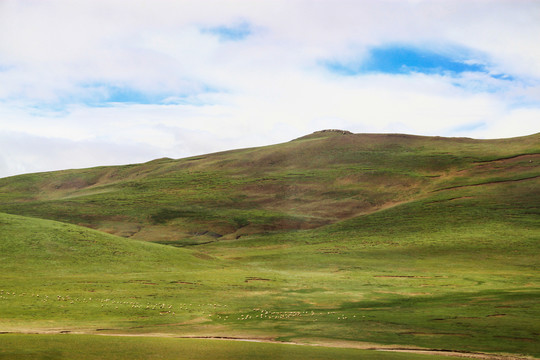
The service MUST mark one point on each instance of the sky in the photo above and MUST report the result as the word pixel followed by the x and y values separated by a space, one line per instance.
pixel 101 82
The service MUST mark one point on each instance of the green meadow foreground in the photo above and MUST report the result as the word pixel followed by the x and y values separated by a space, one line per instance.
pixel 114 348
pixel 350 241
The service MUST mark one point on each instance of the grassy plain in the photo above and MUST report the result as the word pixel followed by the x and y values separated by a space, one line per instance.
pixel 410 241
pixel 88 347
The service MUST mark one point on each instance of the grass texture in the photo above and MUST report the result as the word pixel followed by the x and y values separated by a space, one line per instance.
pixel 384 239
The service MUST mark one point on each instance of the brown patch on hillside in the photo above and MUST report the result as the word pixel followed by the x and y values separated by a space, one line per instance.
pixel 254 278
pixel 185 283
pixel 203 256
pixel 404 276
pixel 515 338
pixel 491 182
pixel 414 333
pixel 76 183
pixel 513 159
pixel 508 165
pixel 403 293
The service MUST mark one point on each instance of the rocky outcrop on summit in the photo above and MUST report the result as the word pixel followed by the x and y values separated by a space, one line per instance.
pixel 337 131
pixel 323 133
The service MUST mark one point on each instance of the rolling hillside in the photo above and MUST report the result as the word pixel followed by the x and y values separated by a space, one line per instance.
pixel 336 239
pixel 313 181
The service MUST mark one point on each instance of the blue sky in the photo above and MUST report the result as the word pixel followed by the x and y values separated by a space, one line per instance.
pixel 108 82
pixel 234 32
pixel 406 59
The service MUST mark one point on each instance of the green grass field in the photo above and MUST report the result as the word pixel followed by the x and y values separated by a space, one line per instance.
pixel 355 239
pixel 83 347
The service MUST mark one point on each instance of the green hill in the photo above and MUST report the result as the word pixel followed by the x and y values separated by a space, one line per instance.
pixel 340 239
pixel 307 183
pixel 61 273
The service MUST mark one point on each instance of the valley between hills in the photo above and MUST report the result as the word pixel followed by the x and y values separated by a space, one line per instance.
pixel 355 243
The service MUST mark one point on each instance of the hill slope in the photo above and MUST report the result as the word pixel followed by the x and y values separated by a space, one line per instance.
pixel 316 180
pixel 57 274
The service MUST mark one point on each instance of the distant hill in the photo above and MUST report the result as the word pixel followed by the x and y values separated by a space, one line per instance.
pixel 318 179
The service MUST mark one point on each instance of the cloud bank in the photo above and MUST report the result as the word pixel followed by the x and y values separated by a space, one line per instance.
pixel 109 82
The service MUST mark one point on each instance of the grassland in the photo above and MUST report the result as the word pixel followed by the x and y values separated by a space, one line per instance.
pixel 329 239
pixel 306 183
pixel 85 347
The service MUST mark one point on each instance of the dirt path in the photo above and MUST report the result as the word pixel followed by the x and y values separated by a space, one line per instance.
pixel 459 354
pixel 366 346
pixel 320 342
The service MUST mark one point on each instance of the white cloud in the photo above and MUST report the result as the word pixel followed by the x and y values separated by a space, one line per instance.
pixel 59 59
pixel 22 153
